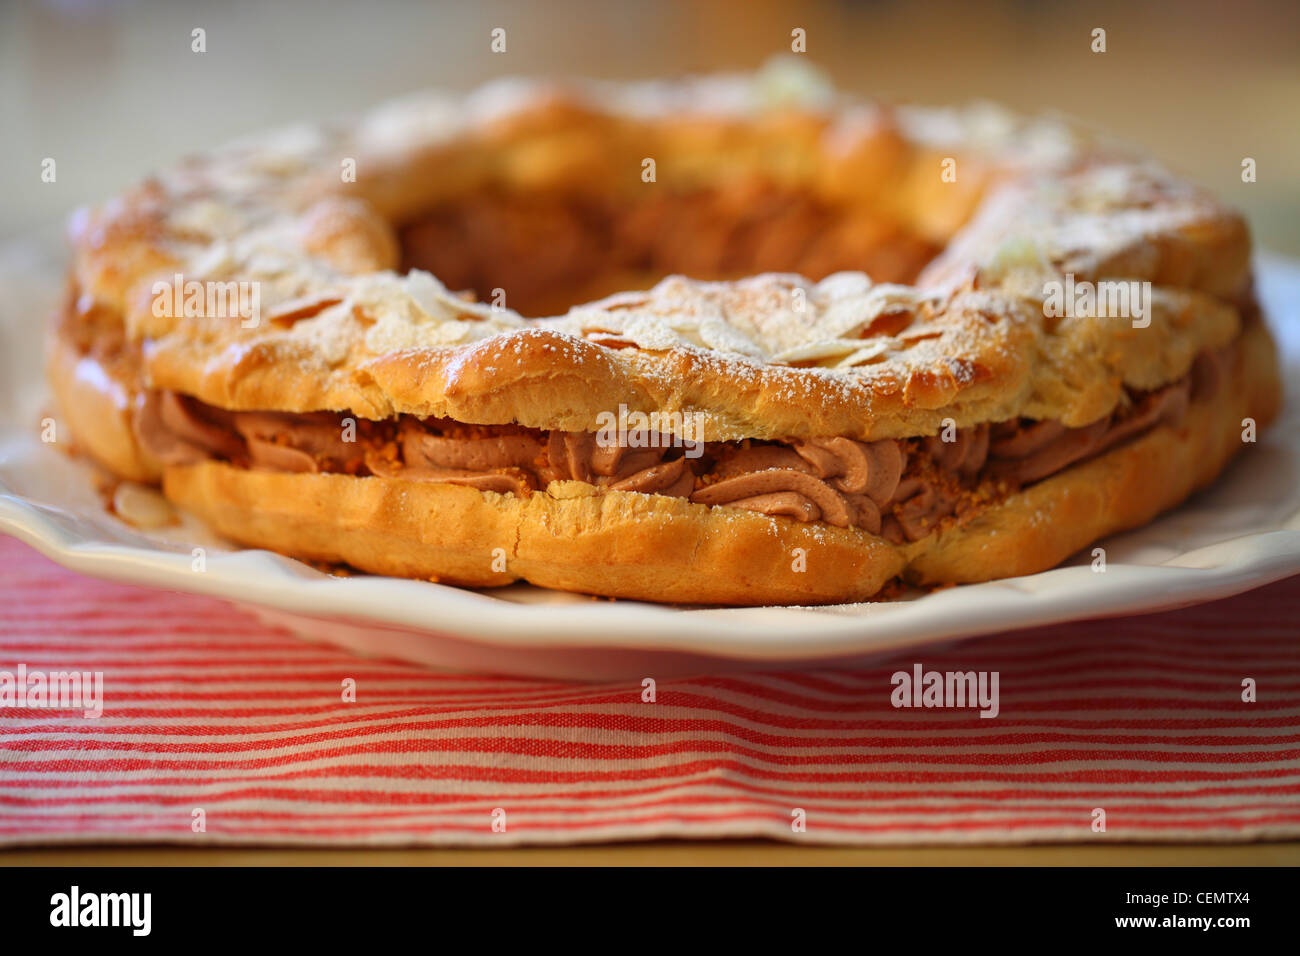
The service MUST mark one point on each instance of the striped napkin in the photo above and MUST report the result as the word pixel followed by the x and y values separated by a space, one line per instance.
pixel 216 729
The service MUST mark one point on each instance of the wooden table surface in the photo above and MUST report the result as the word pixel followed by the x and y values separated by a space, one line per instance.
pixel 1202 84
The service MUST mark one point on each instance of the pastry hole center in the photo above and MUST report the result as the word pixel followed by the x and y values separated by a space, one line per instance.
pixel 541 252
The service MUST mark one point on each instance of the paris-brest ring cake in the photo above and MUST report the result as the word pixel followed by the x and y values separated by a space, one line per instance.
pixel 825 345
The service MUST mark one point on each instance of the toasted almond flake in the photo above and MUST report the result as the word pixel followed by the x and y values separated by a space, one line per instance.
pixel 142 507
pixel 302 307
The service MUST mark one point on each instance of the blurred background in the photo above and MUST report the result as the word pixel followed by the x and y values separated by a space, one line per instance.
pixel 111 89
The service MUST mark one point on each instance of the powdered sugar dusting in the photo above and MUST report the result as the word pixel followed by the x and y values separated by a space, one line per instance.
pixel 239 213
pixel 780 319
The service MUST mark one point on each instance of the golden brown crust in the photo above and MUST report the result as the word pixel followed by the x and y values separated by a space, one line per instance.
pixel 970 341
pixel 1045 523
pixel 768 357
pixel 615 544
pixel 96 401
pixel 977 358
pixel 667 549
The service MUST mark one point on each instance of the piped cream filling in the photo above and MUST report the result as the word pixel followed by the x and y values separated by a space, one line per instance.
pixel 902 489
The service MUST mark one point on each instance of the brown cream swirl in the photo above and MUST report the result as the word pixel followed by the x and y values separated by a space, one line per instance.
pixel 300 443
pixel 179 431
pixel 577 456
pixel 836 480
pixel 901 489
pixel 862 468
pixel 468 452
pixel 490 463
pixel 831 506
pixel 506 481
pixel 966 453
pixel 1023 453
pixel 920 506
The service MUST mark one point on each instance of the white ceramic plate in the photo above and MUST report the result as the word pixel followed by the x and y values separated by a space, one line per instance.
pixel 1243 532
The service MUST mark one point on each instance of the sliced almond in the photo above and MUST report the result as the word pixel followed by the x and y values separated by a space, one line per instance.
pixel 142 507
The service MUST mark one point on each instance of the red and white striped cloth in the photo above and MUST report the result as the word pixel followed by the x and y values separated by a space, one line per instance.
pixel 208 709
